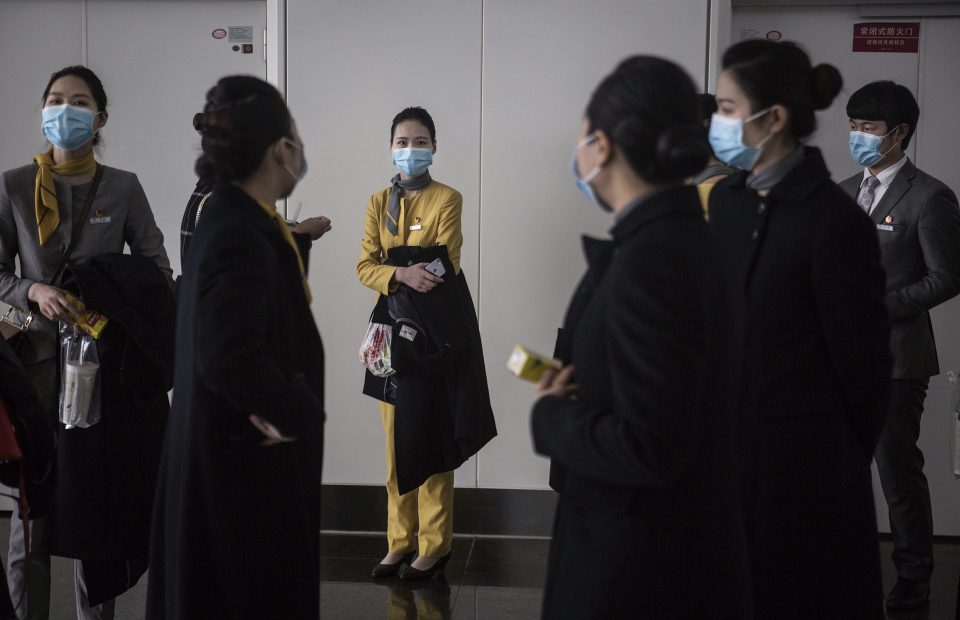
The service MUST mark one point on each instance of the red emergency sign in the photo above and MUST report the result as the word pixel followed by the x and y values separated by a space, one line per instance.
pixel 902 37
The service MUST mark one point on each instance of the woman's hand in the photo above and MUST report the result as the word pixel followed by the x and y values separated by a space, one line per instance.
pixel 271 432
pixel 417 277
pixel 52 302
pixel 316 227
pixel 558 384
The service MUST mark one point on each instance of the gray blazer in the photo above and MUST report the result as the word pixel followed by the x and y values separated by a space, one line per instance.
pixel 918 223
pixel 120 215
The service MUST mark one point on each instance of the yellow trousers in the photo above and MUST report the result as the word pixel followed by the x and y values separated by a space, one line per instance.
pixel 429 507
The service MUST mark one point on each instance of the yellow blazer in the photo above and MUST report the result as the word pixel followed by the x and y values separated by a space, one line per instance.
pixel 430 218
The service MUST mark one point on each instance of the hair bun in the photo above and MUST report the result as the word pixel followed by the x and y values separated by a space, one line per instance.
pixel 827 83
pixel 202 123
pixel 681 152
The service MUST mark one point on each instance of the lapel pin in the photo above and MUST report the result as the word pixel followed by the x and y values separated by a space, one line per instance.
pixel 101 212
pixel 888 219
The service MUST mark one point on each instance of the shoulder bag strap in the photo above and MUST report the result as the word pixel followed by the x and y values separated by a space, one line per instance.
pixel 78 226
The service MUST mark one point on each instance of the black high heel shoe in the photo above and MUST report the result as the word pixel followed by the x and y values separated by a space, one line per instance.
pixel 386 570
pixel 409 573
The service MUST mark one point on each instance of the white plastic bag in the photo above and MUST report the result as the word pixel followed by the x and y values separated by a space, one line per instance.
pixel 375 350
pixel 955 418
pixel 79 378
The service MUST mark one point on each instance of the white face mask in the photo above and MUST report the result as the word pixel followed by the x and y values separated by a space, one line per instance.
pixel 303 166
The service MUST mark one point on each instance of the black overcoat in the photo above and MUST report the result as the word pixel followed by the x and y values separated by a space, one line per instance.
pixel 443 411
pixel 814 390
pixel 648 522
pixel 106 474
pixel 236 524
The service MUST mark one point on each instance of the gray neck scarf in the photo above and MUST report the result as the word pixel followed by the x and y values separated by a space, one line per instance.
pixel 772 175
pixel 711 171
pixel 393 203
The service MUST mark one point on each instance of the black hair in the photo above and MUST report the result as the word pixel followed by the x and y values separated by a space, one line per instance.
pixel 242 117
pixel 708 106
pixel 90 79
pixel 414 113
pixel 772 73
pixel 648 108
pixel 887 101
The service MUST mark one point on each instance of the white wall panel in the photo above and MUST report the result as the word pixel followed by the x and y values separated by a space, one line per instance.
pixel 541 61
pixel 157 59
pixel 351 66
pixel 28 61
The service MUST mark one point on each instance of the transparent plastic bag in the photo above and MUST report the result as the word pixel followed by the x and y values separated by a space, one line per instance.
pixel 79 378
pixel 955 423
pixel 375 350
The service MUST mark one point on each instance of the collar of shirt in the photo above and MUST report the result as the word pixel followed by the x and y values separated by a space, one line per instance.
pixel 886 176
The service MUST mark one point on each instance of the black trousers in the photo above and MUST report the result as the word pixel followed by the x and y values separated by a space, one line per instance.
pixel 900 464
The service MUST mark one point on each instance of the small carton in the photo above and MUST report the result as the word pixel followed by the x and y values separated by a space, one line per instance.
pixel 530 366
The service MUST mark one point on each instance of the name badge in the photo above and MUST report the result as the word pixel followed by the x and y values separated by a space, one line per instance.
pixel 408 332
pixel 885 227
pixel 416 227
pixel 101 220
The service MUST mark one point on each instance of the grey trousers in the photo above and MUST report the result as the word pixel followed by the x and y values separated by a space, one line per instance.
pixel 36 604
pixel 900 465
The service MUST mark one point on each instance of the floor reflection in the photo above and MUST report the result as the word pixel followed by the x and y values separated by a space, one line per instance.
pixel 425 600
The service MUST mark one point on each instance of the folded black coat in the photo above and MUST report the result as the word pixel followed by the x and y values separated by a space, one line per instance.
pixel 443 414
pixel 106 474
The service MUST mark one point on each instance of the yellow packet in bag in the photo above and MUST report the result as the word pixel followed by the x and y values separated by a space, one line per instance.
pixel 89 322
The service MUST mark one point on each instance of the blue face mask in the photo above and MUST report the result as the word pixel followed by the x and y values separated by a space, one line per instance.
pixel 583 183
pixel 412 162
pixel 865 147
pixel 67 127
pixel 726 139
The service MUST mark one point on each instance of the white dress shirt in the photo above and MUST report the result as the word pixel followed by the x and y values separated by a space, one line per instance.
pixel 885 178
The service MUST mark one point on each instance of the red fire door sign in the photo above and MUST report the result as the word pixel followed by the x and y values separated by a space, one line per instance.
pixel 902 37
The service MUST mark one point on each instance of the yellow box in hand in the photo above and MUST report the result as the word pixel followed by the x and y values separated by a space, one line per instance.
pixel 530 366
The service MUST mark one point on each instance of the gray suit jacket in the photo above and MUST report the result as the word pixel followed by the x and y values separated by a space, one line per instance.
pixel 918 223
pixel 120 215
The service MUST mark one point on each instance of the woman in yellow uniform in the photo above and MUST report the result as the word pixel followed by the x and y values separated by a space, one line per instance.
pixel 414 210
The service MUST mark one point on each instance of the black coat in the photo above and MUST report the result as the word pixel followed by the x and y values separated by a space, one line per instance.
pixel 106 474
pixel 648 523
pixel 814 390
pixel 34 431
pixel 236 524
pixel 443 414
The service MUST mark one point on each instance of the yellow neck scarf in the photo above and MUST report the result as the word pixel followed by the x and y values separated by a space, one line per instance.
pixel 45 201
pixel 271 210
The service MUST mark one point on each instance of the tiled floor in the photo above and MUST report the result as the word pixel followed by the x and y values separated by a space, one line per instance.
pixel 487 578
